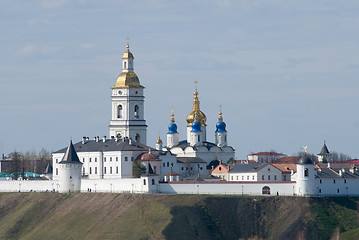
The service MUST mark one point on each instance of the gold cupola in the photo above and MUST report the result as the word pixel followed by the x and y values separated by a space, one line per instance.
pixel 196 112
pixel 128 78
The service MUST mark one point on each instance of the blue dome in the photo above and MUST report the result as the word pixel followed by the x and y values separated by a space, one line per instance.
pixel 196 127
pixel 172 128
pixel 221 127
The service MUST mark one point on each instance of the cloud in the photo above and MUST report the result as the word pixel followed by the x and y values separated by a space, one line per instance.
pixel 52 3
pixel 86 45
pixel 32 50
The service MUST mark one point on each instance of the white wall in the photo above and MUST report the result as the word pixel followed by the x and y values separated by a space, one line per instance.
pixel 227 188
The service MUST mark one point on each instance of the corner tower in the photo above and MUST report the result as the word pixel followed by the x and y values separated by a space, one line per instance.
pixel 128 111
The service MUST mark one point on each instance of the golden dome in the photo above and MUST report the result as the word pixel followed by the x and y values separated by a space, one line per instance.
pixel 159 140
pixel 127 80
pixel 196 112
pixel 128 54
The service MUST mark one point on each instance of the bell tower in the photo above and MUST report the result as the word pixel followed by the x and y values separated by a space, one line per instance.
pixel 127 119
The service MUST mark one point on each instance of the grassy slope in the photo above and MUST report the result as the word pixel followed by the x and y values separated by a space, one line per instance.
pixel 126 216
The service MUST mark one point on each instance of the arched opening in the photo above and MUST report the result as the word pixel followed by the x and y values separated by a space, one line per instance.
pixel 266 190
pixel 119 136
pixel 137 138
pixel 136 114
pixel 306 172
pixel 153 181
pixel 124 65
pixel 119 111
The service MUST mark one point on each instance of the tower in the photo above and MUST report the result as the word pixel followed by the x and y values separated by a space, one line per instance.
pixel 172 135
pixel 305 177
pixel 221 132
pixel 324 155
pixel 159 143
pixel 127 120
pixel 201 117
pixel 195 134
pixel 70 171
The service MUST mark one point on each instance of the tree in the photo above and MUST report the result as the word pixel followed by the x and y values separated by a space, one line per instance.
pixel 138 168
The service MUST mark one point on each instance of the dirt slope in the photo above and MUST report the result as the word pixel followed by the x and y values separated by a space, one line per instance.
pixel 127 216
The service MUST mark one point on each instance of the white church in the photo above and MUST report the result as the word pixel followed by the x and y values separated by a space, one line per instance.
pixel 105 164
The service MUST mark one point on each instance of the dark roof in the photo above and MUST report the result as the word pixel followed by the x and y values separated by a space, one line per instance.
pixel 334 173
pixel 248 167
pixel 324 150
pixel 70 155
pixel 305 160
pixel 190 160
pixel 48 169
pixel 150 171
pixel 108 145
pixel 183 144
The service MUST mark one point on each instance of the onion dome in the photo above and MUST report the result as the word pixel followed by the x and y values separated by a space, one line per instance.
pixel 196 111
pixel 305 160
pixel 196 125
pixel 159 140
pixel 149 156
pixel 220 126
pixel 172 127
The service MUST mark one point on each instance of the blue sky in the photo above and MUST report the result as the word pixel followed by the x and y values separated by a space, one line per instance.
pixel 286 72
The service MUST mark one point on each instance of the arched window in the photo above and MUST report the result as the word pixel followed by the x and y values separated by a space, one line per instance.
pixel 153 181
pixel 199 138
pixel 124 65
pixel 137 138
pixel 119 111
pixel 119 135
pixel 266 190
pixel 136 114
pixel 306 172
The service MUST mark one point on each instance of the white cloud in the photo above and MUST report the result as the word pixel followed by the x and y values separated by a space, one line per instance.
pixel 53 3
pixel 32 50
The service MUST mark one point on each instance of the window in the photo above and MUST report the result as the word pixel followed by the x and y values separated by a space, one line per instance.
pixel 153 181
pixel 110 159
pixel 126 159
pixel 83 160
pixel 248 177
pixel 320 190
pixel 119 111
pixel 144 181
pixel 334 181
pixel 266 190
pixel 131 158
pixel 338 190
pixel 232 178
pixel 320 181
pixel 110 170
pixel 104 170
pixel 136 111
pixel 95 159
pixel 237 178
pixel 275 177
pixel 168 164
pixel 268 177
pixel 199 138
pixel 90 171
pixel 345 181
pixel 242 178
pixel 262 177
pixel 105 159
pixel 164 164
pixel 137 138
pixel 124 64
pixel 57 160
pixel 83 171
pixel 306 173
pixel 89 159
pixel 95 170
pixel 182 168
pixel 220 168
pixel 155 169
pixel 116 170
pixel 191 168
pixel 57 171
pixel 116 159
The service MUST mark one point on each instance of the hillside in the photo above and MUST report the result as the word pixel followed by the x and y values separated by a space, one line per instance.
pixel 127 216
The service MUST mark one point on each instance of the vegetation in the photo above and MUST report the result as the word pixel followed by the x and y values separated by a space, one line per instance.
pixel 138 168
pixel 136 216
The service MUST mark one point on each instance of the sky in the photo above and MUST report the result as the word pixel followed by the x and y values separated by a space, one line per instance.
pixel 285 72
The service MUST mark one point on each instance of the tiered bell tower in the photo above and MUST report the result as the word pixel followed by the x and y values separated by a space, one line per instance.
pixel 127 119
